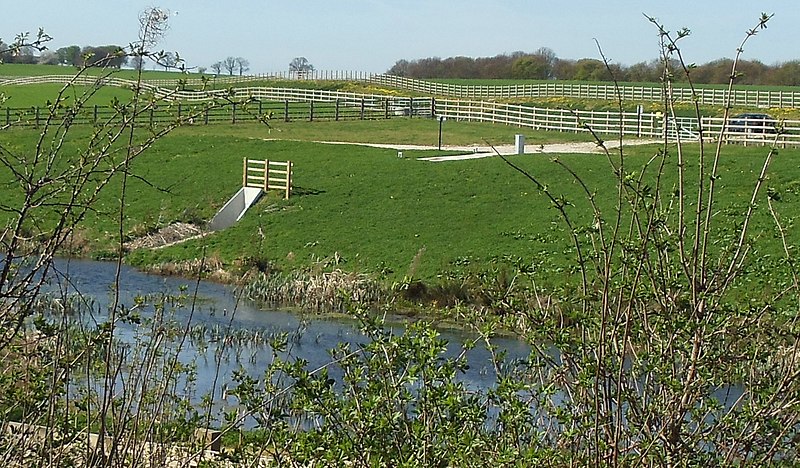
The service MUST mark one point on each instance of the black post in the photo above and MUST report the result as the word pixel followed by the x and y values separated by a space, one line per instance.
pixel 441 120
pixel 310 111
pixel 336 112
pixel 285 110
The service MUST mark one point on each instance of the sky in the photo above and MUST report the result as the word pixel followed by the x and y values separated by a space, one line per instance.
pixel 371 35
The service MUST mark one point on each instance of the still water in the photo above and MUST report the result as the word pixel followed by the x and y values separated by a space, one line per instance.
pixel 216 308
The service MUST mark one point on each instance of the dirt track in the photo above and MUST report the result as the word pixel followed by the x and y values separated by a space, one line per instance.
pixel 476 152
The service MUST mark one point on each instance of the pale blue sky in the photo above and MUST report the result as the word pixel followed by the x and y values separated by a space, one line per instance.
pixel 371 35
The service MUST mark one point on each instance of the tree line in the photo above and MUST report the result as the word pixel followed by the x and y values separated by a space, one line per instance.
pixel 110 55
pixel 543 64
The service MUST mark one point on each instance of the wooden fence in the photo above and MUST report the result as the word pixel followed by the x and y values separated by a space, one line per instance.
pixel 268 175
pixel 290 104
pixel 646 125
pixel 712 96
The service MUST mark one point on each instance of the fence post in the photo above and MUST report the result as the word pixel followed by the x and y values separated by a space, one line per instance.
pixel 362 108
pixel 311 110
pixel 8 116
pixel 95 114
pixel 433 107
pixel 266 175
pixel 244 174
pixel 233 113
pixel 386 109
pixel 285 110
pixel 37 116
pixel 336 110
pixel 288 178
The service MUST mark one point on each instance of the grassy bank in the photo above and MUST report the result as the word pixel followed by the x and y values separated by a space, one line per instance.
pixel 364 209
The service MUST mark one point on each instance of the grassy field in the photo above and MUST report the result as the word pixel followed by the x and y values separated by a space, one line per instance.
pixel 22 70
pixel 381 214
pixel 365 209
pixel 26 96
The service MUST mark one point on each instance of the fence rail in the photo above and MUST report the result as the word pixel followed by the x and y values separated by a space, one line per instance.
pixel 711 96
pixel 285 107
pixel 289 104
pixel 176 89
pixel 268 175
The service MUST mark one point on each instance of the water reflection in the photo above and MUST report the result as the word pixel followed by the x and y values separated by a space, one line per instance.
pixel 228 334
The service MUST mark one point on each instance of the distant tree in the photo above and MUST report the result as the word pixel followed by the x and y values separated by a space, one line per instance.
pixel 751 72
pixel 217 67
pixel 23 45
pixel 48 58
pixel 111 56
pixel 242 65
pixel 644 72
pixel 300 64
pixel 537 66
pixel 590 70
pixel 785 74
pixel 400 68
pixel 168 60
pixel 201 70
pixel 137 62
pixel 23 54
pixel 70 55
pixel 229 64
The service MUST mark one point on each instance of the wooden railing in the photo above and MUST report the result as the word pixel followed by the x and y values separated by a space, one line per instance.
pixel 711 96
pixel 175 89
pixel 268 175
pixel 292 104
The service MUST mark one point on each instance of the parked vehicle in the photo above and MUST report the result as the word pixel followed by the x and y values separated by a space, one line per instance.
pixel 752 123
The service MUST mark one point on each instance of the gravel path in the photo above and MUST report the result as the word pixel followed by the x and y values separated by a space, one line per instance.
pixel 477 152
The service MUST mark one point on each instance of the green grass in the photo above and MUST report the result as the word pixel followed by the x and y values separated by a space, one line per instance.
pixel 413 131
pixel 379 213
pixel 22 70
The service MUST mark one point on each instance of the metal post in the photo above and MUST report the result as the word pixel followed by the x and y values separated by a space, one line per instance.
pixel 441 120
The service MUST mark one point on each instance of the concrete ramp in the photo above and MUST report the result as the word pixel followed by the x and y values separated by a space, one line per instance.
pixel 235 208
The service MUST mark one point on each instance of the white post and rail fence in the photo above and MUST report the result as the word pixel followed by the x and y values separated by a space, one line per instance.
pixel 292 104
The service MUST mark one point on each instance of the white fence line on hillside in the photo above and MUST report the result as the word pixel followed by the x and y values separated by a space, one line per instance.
pixel 649 125
pixel 562 120
pixel 645 125
pixel 711 96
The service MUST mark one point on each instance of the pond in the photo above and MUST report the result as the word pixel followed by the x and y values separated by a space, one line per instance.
pixel 229 335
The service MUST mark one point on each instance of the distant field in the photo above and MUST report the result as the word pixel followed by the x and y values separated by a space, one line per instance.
pixel 16 69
